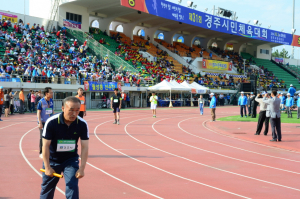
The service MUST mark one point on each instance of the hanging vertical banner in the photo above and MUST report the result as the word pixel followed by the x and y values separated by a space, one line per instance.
pixel 12 18
pixel 296 41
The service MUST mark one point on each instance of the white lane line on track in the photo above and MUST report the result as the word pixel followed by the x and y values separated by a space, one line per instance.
pixel 160 168
pixel 252 178
pixel 27 161
pixel 114 176
pixel 203 124
pixel 233 146
pixel 219 153
pixel 11 125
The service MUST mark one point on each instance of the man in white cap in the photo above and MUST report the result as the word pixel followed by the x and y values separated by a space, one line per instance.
pixel 243 103
pixel 212 106
pixel 292 90
pixel 288 104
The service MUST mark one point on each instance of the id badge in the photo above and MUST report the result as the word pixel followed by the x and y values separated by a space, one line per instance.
pixel 66 145
pixel 48 111
pixel 82 101
pixel 116 100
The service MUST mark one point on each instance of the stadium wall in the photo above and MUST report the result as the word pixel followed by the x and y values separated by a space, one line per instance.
pixel 31 19
pixel 263 55
pixel 68 7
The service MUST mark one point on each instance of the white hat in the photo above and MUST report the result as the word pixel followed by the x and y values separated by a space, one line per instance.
pixel 288 94
pixel 291 85
pixel 242 92
pixel 299 94
pixel 212 94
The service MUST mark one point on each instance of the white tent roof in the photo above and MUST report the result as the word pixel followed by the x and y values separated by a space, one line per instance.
pixel 187 85
pixel 177 85
pixel 198 86
pixel 167 86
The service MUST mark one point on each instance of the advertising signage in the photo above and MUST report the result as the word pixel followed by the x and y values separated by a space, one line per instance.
pixel 190 16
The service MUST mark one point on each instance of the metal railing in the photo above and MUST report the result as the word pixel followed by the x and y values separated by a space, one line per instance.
pixel 100 50
pixel 71 80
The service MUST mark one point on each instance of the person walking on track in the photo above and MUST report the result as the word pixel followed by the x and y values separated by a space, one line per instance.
pixel 262 115
pixel 60 145
pixel 243 103
pixel 29 100
pixel 288 104
pixel 45 109
pixel 212 106
pixel 22 101
pixel 274 111
pixel 153 100
pixel 82 101
pixel 115 105
pixel 1 101
pixel 201 103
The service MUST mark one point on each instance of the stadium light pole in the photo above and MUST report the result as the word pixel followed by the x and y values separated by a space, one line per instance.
pixel 293 48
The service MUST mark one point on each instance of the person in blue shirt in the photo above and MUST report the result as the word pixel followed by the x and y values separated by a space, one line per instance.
pixel 288 104
pixel 298 107
pixel 212 106
pixel 45 109
pixel 292 90
pixel 243 103
pixel 282 103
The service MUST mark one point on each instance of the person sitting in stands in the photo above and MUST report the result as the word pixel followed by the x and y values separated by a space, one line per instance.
pixel 105 33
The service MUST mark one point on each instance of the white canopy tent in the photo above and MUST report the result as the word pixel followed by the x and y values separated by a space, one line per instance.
pixel 200 89
pixel 169 86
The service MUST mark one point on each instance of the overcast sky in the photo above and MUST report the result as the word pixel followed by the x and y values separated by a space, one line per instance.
pixel 277 13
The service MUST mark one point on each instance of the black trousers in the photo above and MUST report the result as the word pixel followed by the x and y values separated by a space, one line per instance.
pixel 249 110
pixel 253 111
pixel 261 120
pixel 41 138
pixel 29 104
pixel 21 107
pixel 276 127
pixel 289 112
pixel 12 109
pixel 81 114
pixel 241 109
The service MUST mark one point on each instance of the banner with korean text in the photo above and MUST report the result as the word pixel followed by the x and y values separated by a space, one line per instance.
pixel 12 18
pixel 172 11
pixel 279 60
pixel 216 65
pixel 100 86
pixel 72 24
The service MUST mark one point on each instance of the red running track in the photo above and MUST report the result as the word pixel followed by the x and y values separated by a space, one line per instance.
pixel 179 154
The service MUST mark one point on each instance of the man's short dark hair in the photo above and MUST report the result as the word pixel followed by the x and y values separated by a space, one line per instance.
pixel 21 89
pixel 274 93
pixel 116 89
pixel 80 88
pixel 47 90
pixel 71 99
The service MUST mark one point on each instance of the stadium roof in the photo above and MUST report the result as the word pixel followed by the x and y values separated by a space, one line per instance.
pixel 114 10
